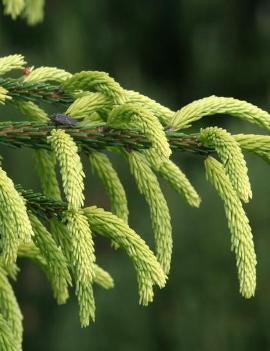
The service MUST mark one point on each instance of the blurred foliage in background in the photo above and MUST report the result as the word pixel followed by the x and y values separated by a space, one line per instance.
pixel 173 51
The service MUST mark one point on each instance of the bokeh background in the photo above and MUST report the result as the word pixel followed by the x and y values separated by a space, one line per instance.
pixel 173 51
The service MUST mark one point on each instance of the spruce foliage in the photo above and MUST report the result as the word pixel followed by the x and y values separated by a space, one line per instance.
pixel 57 230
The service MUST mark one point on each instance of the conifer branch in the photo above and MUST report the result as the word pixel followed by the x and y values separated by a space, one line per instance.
pixel 100 114
pixel 19 89
pixel 34 135
pixel 238 223
pixel 41 205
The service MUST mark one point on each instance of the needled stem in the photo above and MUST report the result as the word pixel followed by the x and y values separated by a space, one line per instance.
pixel 34 135
pixel 34 91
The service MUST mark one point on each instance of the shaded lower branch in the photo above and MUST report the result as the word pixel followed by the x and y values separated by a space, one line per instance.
pixel 42 205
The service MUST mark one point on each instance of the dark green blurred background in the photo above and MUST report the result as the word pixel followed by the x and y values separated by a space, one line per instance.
pixel 175 52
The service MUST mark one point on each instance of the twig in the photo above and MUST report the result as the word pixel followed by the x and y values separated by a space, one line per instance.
pixel 34 135
pixel 29 91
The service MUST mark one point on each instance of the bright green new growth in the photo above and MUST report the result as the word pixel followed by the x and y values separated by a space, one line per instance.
pixel 219 105
pixel 10 311
pixel 64 239
pixel 71 170
pixel 95 81
pixel 44 74
pixel 178 180
pixel 103 278
pixel 148 270
pixel 82 259
pixel 259 144
pixel 101 165
pixel 161 222
pixel 241 240
pixel 57 265
pixel 8 63
pixel 32 252
pixel 3 96
pixel 135 117
pixel 31 111
pixel 100 101
pixel 232 158
pixel 162 113
pixel 31 10
pixel 44 162
pixel 90 107
pixel 13 7
pixel 15 225
pixel 6 337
